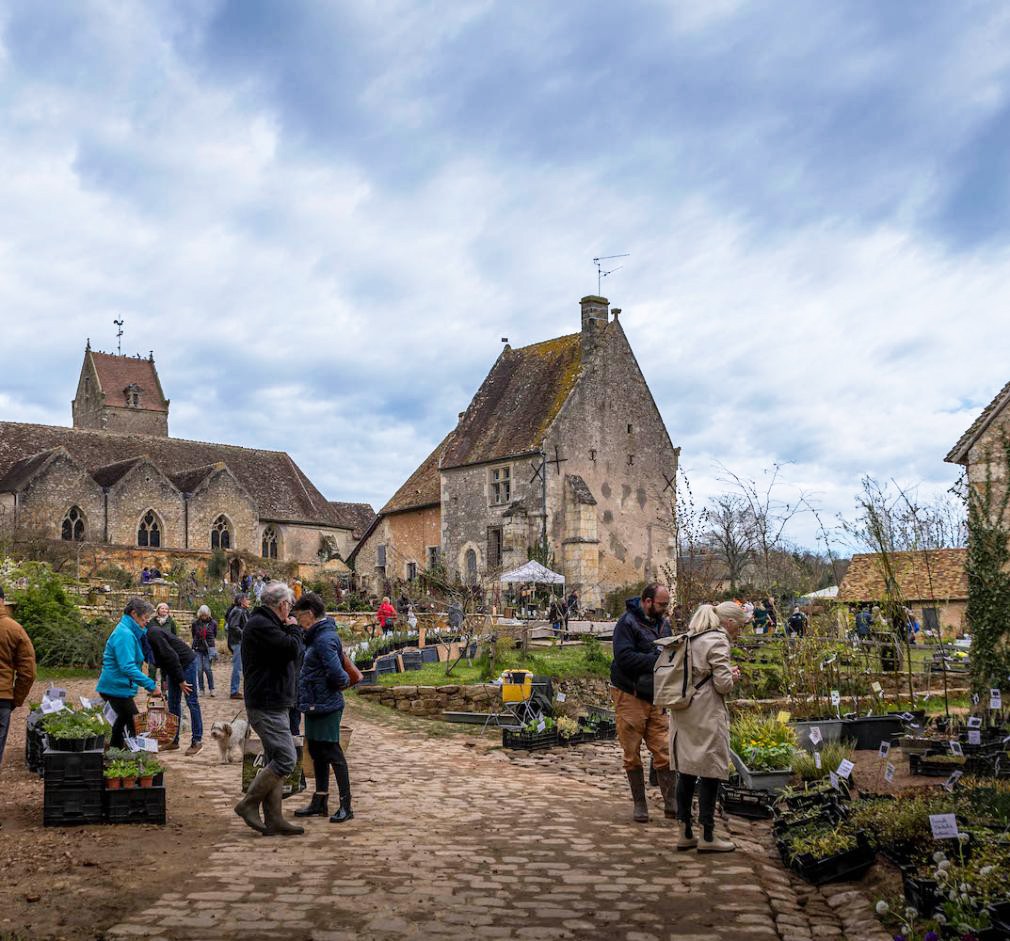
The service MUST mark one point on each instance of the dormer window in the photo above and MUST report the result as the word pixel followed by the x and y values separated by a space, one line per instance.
pixel 132 395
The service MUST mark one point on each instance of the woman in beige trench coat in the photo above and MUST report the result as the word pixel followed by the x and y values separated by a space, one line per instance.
pixel 699 734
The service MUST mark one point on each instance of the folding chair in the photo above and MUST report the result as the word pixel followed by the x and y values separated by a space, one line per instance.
pixel 523 699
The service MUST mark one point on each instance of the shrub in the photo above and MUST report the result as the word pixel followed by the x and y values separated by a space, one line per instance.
pixel 595 658
pixel 115 575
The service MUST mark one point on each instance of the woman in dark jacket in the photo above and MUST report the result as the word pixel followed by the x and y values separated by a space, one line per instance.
pixel 320 682
pixel 204 630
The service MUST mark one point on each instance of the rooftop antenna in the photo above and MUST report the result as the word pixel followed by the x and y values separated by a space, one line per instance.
pixel 601 274
pixel 119 337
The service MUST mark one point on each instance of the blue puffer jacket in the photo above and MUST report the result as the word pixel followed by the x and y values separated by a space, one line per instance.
pixel 322 676
pixel 122 661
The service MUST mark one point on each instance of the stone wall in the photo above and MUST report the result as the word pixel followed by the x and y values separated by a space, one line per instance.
pixel 46 500
pixel 220 493
pixel 141 489
pixel 407 537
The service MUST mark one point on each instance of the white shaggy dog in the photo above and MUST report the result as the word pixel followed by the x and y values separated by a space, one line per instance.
pixel 230 736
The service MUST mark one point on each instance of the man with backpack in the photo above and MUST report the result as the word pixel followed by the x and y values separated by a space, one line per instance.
pixel 635 653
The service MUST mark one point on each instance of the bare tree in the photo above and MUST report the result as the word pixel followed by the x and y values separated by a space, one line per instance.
pixel 731 532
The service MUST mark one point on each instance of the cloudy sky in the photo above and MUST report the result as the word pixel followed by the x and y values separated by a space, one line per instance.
pixel 323 217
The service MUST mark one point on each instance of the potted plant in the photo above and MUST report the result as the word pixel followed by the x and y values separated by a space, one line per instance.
pixel 113 774
pixel 568 731
pixel 762 752
pixel 148 770
pixel 129 774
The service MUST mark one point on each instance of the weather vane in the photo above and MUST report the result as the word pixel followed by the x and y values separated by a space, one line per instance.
pixel 119 337
pixel 601 274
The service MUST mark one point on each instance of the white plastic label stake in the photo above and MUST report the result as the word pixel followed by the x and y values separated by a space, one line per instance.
pixel 109 713
pixel 561 697
pixel 815 735
pixel 49 706
pixel 132 743
pixel 541 725
pixel 55 693
pixel 845 768
pixel 956 749
pixel 835 783
pixel 885 749
pixel 974 699
pixel 836 697
pixel 85 702
pixel 817 760
pixel 944 826
pixel 974 737
pixel 955 776
pixel 147 744
pixel 889 773
pixel 877 688
pixel 974 722
pixel 995 699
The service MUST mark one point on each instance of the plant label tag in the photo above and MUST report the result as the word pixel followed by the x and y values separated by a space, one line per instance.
pixel 561 697
pixel 147 744
pixel 109 713
pixel 944 826
pixel 889 773
pixel 541 725
pixel 885 749
pixel 55 693
pixel 974 737
pixel 132 744
pixel 836 697
pixel 85 702
pixel 956 749
pixel 49 706
pixel 877 688
pixel 783 717
pixel 845 768
pixel 974 699
pixel 815 735
pixel 974 722
pixel 817 760
pixel 995 699
pixel 835 783
pixel 955 776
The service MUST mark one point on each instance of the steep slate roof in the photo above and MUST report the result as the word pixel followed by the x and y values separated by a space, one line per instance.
pixel 20 472
pixel 520 397
pixel 933 573
pixel 959 452
pixel 115 373
pixel 113 473
pixel 281 491
pixel 188 480
pixel 422 488
pixel 356 517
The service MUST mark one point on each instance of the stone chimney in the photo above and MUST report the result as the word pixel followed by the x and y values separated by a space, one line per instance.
pixel 595 316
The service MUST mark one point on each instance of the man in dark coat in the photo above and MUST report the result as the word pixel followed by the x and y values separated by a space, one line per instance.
pixel 635 653
pixel 235 620
pixel 177 662
pixel 271 647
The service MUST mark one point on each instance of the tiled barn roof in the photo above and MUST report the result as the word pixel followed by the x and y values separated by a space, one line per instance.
pixel 422 488
pixel 959 453
pixel 115 373
pixel 356 517
pixel 516 403
pixel 281 491
pixel 937 574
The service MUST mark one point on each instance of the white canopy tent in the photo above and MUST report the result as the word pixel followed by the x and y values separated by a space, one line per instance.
pixel 532 573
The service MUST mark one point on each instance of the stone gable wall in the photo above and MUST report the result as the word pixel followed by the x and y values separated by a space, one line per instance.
pixel 44 502
pixel 221 494
pixel 407 537
pixel 141 489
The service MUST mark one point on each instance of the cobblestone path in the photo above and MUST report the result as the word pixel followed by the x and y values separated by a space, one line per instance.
pixel 458 841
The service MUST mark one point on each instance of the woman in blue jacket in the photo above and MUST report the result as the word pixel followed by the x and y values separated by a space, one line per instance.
pixel 320 682
pixel 121 668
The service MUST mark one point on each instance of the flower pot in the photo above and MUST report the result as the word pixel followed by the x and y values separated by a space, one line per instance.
pixel 831 731
pixel 146 781
pixel 774 781
pixel 130 782
pixel 113 784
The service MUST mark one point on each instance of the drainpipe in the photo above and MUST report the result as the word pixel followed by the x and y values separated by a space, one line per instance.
pixel 105 521
pixel 185 521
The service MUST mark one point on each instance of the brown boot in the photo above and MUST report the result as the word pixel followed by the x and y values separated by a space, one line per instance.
pixel 273 814
pixel 636 780
pixel 249 807
pixel 668 786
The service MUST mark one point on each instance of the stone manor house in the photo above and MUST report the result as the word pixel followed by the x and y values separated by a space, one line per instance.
pixel 564 438
pixel 117 479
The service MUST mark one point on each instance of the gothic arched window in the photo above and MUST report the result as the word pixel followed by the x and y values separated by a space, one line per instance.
pixel 149 531
pixel 269 543
pixel 220 533
pixel 73 525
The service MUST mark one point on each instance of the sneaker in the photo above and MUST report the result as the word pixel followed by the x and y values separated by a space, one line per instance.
pixel 171 746
pixel 236 695
pixel 212 694
pixel 194 749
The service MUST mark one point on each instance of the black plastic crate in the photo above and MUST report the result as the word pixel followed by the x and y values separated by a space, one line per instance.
pixel 73 769
pixel 921 764
pixel 135 805
pixel 851 864
pixel 922 894
pixel 35 743
pixel 742 802
pixel 411 660
pixel 529 741
pixel 71 806
pixel 429 654
pixel 386 665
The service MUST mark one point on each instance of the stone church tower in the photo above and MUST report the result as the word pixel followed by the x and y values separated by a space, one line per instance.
pixel 121 394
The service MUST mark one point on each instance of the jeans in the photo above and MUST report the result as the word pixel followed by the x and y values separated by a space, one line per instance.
pixel 125 708
pixel 6 707
pixel 273 726
pixel 192 701
pixel 205 668
pixel 236 670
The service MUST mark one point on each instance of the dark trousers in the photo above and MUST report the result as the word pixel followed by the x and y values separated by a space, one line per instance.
pixel 326 755
pixel 192 701
pixel 6 707
pixel 125 708
pixel 295 718
pixel 708 790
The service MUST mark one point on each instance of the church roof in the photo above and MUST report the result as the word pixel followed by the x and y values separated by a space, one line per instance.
pixel 281 491
pixel 116 373
pixel 188 480
pixel 20 472
pixel 422 488
pixel 113 473
pixel 959 453
pixel 922 575
pixel 517 402
pixel 356 517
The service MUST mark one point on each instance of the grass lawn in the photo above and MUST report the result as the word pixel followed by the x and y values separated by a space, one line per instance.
pixel 47 674
pixel 558 662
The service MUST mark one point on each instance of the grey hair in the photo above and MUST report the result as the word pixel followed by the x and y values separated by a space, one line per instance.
pixel 203 609
pixel 276 592
pixel 139 606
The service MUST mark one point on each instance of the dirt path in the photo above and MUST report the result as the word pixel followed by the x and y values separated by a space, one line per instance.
pixel 456 839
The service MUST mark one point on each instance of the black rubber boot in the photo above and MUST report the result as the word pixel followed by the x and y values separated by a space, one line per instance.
pixel 344 813
pixel 318 807
pixel 636 780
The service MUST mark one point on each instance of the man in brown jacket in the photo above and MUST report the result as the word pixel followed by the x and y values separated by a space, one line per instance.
pixel 17 668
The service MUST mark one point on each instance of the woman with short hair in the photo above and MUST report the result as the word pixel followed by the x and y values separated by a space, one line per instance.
pixel 122 668
pixel 320 682
pixel 164 620
pixel 699 734
pixel 204 630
